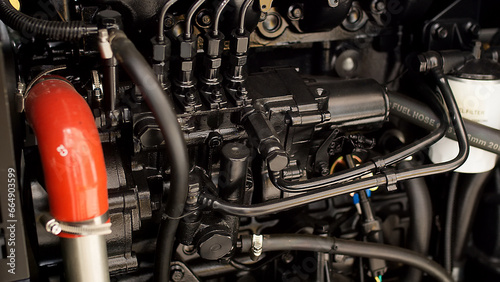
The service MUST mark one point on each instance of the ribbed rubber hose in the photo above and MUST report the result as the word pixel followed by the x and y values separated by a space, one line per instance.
pixel 142 74
pixel 300 242
pixel 29 26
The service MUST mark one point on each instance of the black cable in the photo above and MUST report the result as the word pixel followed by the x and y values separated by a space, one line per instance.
pixel 468 200
pixel 142 75
pixel 420 209
pixel 271 207
pixel 66 31
pixel 418 113
pixel 336 223
pixel 288 242
pixel 448 227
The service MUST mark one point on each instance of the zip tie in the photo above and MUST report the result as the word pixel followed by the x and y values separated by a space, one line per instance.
pixel 165 216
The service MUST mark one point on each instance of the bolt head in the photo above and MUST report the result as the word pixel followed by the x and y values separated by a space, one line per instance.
pixel 380 6
pixel 442 32
pixel 333 3
pixel 169 21
pixel 206 19
pixel 277 160
pixel 54 228
pixel 297 12
pixel 177 275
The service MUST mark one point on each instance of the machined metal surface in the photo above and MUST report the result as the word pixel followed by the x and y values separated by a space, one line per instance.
pixel 85 258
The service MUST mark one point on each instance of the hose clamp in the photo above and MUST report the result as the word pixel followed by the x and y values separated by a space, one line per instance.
pixel 391 179
pixel 104 45
pixel 95 226
pixel 256 250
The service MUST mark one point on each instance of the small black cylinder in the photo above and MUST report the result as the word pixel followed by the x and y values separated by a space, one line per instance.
pixel 233 171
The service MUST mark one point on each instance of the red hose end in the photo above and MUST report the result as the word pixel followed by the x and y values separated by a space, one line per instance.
pixel 70 150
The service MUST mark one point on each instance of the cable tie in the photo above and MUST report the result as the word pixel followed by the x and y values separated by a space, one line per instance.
pixel 379 163
pixel 165 216
pixel 391 179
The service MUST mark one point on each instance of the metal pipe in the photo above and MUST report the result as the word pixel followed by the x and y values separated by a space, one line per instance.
pixel 243 14
pixel 218 13
pixel 85 258
pixel 189 18
pixel 109 83
pixel 161 24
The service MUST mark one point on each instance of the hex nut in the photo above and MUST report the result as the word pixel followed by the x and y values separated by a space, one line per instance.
pixel 161 51
pixel 187 48
pixel 177 275
pixel 239 43
pixel 213 63
pixel 214 45
pixel 238 60
pixel 277 160
pixel 148 132
pixel 186 66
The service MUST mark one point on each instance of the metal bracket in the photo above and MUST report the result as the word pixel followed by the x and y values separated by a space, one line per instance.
pixel 75 228
pixel 265 5
pixel 21 89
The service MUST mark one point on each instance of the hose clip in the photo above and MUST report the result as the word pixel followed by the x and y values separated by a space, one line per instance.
pixel 256 250
pixel 96 226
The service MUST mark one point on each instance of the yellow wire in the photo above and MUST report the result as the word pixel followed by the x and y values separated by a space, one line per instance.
pixel 377 279
pixel 16 4
pixel 339 160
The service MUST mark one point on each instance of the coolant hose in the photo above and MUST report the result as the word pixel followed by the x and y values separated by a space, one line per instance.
pixel 176 152
pixel 75 175
pixel 29 26
pixel 301 242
